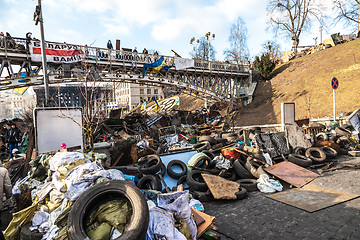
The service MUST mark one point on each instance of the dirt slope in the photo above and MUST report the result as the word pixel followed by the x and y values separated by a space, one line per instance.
pixel 306 81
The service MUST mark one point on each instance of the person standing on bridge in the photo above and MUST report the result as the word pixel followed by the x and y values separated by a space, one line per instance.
pixel 110 48
pixel 28 41
pixel 2 40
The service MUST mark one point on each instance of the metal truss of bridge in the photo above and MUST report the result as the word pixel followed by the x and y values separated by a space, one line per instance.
pixel 211 80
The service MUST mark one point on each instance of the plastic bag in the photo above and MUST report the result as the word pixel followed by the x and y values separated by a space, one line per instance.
pixel 116 174
pixel 196 204
pixel 268 185
pixel 77 188
pixel 62 158
pixel 39 218
pixel 161 225
pixel 177 202
pixel 222 163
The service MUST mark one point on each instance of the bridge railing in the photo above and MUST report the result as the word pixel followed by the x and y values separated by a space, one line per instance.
pixel 14 44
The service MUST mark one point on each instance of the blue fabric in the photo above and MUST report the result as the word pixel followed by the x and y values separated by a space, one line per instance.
pixel 11 147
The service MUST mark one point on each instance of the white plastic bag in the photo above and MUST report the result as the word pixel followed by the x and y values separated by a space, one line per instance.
pixel 268 185
pixel 39 218
pixel 161 225
pixel 62 158
pixel 177 202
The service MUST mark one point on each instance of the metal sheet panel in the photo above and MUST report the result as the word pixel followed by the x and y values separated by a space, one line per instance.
pixel 312 198
pixel 292 173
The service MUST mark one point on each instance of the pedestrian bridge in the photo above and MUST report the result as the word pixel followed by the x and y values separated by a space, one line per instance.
pixel 211 80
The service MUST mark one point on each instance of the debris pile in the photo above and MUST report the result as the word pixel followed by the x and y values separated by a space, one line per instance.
pixel 146 177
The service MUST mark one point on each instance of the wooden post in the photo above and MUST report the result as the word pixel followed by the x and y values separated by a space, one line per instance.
pixel 29 152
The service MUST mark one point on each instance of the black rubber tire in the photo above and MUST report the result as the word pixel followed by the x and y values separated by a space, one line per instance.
pixel 103 192
pixel 209 154
pixel 230 175
pixel 228 135
pixel 241 171
pixel 155 183
pixel 217 146
pixel 181 180
pixel 322 137
pixel 151 165
pixel 220 140
pixel 316 154
pixel 173 174
pixel 342 131
pixel 203 196
pixel 26 234
pixel 242 193
pixel 193 183
pixel 205 162
pixel 299 150
pixel 345 141
pixel 202 146
pixel 330 152
pixel 162 170
pixel 300 160
pixel 208 138
pixel 249 184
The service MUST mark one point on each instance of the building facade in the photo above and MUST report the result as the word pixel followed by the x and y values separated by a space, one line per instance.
pixel 131 95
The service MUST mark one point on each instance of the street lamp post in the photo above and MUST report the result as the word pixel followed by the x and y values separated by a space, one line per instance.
pixel 38 17
pixel 207 35
pixel 192 42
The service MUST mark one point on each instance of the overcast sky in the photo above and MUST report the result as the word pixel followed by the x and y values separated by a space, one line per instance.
pixel 161 25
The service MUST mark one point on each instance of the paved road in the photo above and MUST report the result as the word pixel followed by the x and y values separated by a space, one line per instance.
pixel 259 217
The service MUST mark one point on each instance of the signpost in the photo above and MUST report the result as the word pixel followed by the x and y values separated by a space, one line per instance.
pixel 334 85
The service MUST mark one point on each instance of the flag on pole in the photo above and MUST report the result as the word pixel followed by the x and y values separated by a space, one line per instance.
pixel 156 66
pixel 143 106
pixel 177 102
pixel 157 105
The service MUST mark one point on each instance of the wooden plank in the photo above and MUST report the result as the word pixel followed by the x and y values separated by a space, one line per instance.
pixel 220 187
pixel 209 220
pixel 312 198
pixel 292 173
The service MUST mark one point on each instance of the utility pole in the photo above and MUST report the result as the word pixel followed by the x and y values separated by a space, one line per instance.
pixel 321 28
pixel 38 17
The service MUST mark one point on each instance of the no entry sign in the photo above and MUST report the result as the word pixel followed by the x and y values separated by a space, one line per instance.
pixel 334 83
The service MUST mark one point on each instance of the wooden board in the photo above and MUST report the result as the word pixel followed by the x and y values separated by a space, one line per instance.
pixel 209 220
pixel 312 198
pixel 197 218
pixel 292 173
pixel 220 187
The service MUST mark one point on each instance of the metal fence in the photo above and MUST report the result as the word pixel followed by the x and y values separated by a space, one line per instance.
pixel 21 45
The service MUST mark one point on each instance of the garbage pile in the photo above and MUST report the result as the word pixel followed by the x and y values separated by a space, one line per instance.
pixel 148 181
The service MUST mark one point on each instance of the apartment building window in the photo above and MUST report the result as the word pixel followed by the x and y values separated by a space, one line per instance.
pixel 148 91
pixel 156 91
pixel 141 91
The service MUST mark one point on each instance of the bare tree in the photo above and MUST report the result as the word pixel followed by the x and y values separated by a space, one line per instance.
pixel 238 51
pixel 348 12
pixel 202 50
pixel 273 49
pixel 292 17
